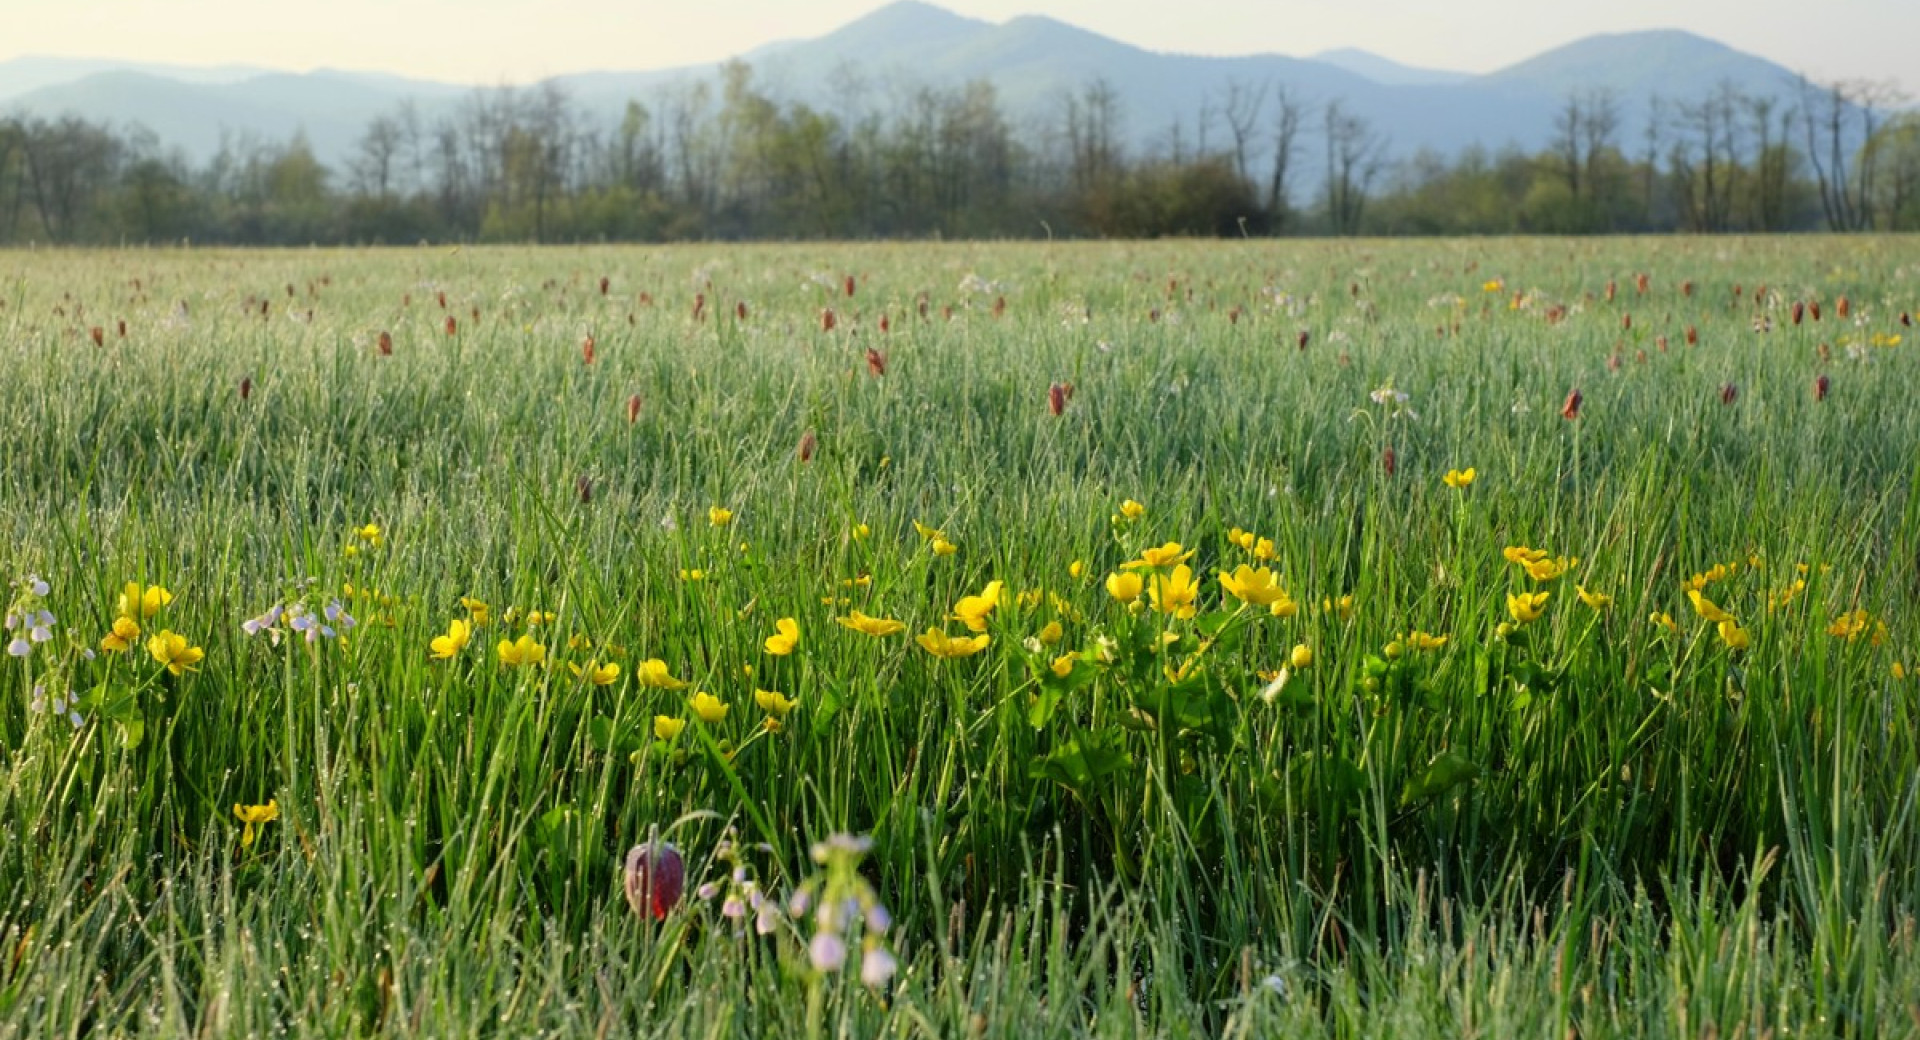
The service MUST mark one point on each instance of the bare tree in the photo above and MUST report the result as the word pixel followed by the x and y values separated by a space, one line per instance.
pixel 1242 112
pixel 1286 131
pixel 1353 161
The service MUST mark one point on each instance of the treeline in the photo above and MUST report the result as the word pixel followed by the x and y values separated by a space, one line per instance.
pixel 726 160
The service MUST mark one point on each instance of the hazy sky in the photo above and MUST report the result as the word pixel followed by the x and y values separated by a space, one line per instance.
pixel 490 41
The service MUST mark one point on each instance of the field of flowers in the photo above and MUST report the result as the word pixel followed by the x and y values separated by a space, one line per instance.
pixel 1452 638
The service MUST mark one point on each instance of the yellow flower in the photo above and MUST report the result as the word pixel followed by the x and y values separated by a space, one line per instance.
pixel 445 647
pixel 1284 607
pixel 774 703
pixel 1459 478
pixel 719 516
pixel 1706 608
pixel 973 610
pixel 1062 666
pixel 1125 586
pixel 1263 549
pixel 476 610
pixel 939 644
pixel 927 534
pixel 1051 634
pixel 370 534
pixel 1492 286
pixel 1029 599
pixel 1527 606
pixel 942 547
pixel 1253 587
pixel 872 626
pixel 1243 539
pixel 1342 606
pixel 255 814
pixel 1301 657
pixel 140 604
pixel 1175 593
pixel 1547 570
pixel 1733 635
pixel 1076 568
pixel 1520 554
pixel 1596 600
pixel 861 532
pixel 517 652
pixel 783 641
pixel 1425 641
pixel 1849 625
pixel 1132 510
pixel 712 710
pixel 692 574
pixel 1161 556
pixel 653 673
pixel 125 631
pixel 597 673
pixel 666 727
pixel 171 649
pixel 1662 619
pixel 1899 670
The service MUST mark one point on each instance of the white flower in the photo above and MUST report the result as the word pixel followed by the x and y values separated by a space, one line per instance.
pixel 877 966
pixel 827 951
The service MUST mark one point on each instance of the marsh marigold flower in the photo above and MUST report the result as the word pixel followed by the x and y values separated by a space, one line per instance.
pixel 774 703
pixel 1160 556
pixel 1301 657
pixel 872 626
pixel 449 645
pixel 719 516
pixel 252 815
pixel 666 727
pixel 1596 600
pixel 597 673
pixel 1132 510
pixel 1125 586
pixel 712 710
pixel 171 649
pixel 1707 609
pixel 141 604
pixel 125 630
pixel 654 675
pixel 973 610
pixel 1733 635
pixel 939 644
pixel 1459 478
pixel 1175 593
pixel 522 651
pixel 1254 587
pixel 1527 607
pixel 786 637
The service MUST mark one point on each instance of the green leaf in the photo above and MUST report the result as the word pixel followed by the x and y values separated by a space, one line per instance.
pixel 1448 770
pixel 1078 763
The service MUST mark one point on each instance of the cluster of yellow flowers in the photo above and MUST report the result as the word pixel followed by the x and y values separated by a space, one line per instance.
pixel 136 605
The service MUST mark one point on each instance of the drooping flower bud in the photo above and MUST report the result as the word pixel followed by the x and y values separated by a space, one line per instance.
pixel 654 878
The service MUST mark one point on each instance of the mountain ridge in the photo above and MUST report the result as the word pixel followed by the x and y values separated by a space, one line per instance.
pixel 1034 62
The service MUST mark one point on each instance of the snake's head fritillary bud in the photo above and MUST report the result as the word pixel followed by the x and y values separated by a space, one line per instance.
pixel 655 876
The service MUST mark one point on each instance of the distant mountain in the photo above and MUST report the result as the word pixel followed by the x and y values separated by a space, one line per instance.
pixel 22 75
pixel 1385 70
pixel 873 63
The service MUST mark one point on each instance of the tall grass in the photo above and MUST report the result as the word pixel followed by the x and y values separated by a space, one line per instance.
pixel 1586 823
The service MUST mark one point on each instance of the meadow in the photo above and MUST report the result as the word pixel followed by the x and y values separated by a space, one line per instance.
pixel 1452 638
